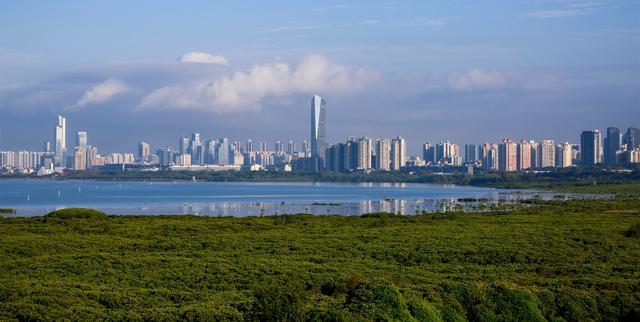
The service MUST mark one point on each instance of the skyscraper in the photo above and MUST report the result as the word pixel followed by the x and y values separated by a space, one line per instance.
pixel 524 155
pixel 279 147
pixel 632 138
pixel 318 131
pixel 60 140
pixel 383 149
pixel 470 153
pixel 398 153
pixel 81 139
pixel 291 147
pixel 612 144
pixel 183 145
pixel 144 151
pixel 429 152
pixel 547 154
pixel 590 147
pixel 507 156
pixel 564 155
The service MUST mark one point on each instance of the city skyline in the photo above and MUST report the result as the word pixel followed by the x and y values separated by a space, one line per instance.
pixel 196 153
pixel 418 69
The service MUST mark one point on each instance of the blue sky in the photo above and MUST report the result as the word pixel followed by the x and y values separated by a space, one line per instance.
pixel 426 70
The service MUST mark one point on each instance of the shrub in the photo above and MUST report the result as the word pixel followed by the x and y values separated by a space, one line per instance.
pixel 277 303
pixel 71 213
pixel 378 301
pixel 634 230
pixel 424 311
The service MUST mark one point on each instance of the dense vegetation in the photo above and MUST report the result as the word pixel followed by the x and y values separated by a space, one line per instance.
pixel 574 261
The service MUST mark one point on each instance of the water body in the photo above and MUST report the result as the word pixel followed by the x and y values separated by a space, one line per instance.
pixel 38 197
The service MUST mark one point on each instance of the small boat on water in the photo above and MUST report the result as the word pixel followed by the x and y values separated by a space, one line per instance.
pixel 193 179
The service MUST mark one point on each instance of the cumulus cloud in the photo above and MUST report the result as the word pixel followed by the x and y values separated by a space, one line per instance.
pixel 476 79
pixel 103 92
pixel 204 58
pixel 244 90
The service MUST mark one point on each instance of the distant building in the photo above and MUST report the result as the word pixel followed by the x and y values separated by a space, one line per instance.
pixel 632 138
pixel 81 139
pixel 278 147
pixel 166 156
pixel 183 145
pixel 547 154
pixel 144 151
pixel 60 139
pixel 398 153
pixel 507 156
pixel 318 131
pixel 612 145
pixel 590 143
pixel 80 158
pixel 291 147
pixel 523 160
pixel 429 153
pixel 564 155
pixel 490 157
pixel 383 151
pixel 470 153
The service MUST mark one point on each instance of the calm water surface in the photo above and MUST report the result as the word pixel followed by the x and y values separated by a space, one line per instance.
pixel 37 197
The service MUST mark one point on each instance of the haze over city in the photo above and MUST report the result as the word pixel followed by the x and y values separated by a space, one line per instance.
pixel 426 71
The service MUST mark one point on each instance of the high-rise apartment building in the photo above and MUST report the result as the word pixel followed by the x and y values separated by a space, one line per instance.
pixel 429 153
pixel 490 157
pixel 80 158
pixel 590 142
pixel 523 160
pixel 507 156
pixel 564 155
pixel 144 151
pixel 398 153
pixel 383 158
pixel 470 153
pixel 612 144
pixel 547 154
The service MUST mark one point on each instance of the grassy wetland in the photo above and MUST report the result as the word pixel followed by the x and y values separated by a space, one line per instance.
pixel 545 260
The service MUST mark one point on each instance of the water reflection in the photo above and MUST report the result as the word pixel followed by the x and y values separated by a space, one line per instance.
pixel 387 205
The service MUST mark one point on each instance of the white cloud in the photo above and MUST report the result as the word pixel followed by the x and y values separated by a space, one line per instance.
pixel 559 13
pixel 476 79
pixel 244 90
pixel 103 92
pixel 204 58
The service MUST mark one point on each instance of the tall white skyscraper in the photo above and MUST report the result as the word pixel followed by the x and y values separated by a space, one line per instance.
pixel 547 154
pixel 398 153
pixel 60 141
pixel 318 131
pixel 383 149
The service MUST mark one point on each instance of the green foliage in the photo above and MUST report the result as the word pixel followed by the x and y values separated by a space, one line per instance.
pixel 76 213
pixel 634 230
pixel 553 260
pixel 378 301
pixel 7 211
pixel 277 303
pixel 424 311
